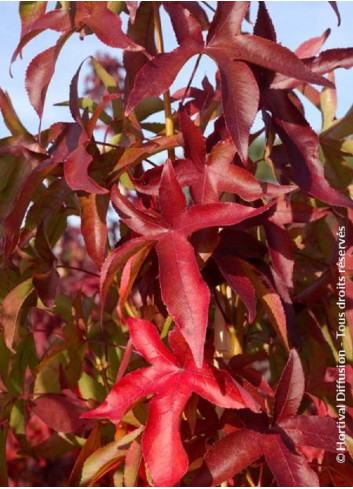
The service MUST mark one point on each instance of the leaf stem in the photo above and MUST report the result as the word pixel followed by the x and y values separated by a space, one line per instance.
pixel 191 77
pixel 169 123
pixel 125 360
pixel 209 6
pixel 69 267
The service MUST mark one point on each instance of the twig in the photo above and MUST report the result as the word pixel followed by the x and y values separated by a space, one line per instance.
pixel 169 123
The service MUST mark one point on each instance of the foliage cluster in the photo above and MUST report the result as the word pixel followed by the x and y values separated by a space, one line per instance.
pixel 187 333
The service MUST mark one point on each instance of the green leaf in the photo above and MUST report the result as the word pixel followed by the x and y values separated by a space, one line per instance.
pixel 3 464
pixel 111 86
pixel 90 105
pixel 4 362
pixel 12 308
pixel 132 464
pixel 11 119
pixel 24 358
pixel 105 458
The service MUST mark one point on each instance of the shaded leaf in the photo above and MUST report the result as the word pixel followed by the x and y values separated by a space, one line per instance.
pixel 11 311
pixel 290 389
pixel 93 225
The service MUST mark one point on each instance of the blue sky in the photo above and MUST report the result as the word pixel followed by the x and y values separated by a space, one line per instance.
pixel 294 22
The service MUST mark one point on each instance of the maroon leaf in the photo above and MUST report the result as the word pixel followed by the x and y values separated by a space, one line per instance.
pixel 93 225
pixel 264 26
pixel 107 26
pixel 240 99
pixel 301 144
pixel 289 468
pixel 14 220
pixel 194 143
pixel 337 12
pixel 228 457
pixel 61 413
pixel 325 62
pixel 156 76
pixel 227 22
pixel 274 57
pixel 311 431
pixel 185 25
pixel 116 260
pixel 172 378
pixel 237 279
pixel 280 248
pixel 290 389
pixel 272 438
pixel 76 169
pixel 39 74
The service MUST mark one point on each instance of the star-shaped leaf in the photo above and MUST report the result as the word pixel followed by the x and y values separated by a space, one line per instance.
pixel 172 378
pixel 188 303
pixel 274 438
pixel 208 177
pixel 231 50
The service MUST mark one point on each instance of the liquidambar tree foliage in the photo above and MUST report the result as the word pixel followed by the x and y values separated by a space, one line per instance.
pixel 195 336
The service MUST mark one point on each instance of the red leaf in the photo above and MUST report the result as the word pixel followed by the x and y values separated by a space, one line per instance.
pixel 13 221
pixel 76 166
pixel 312 431
pixel 194 142
pixel 234 274
pixel 61 413
pixel 229 457
pixel 301 144
pixel 216 175
pixel 107 26
pixel 140 222
pixel 227 22
pixel 337 12
pixel 289 468
pixel 93 225
pixel 312 46
pixel 271 438
pixel 274 57
pixel 188 302
pixel 240 99
pixel 40 72
pixel 290 389
pixel 280 248
pixel 171 198
pixel 172 378
pixel 218 215
pixel 156 76
pixel 186 27
pixel 57 20
pixel 171 230
pixel 115 262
